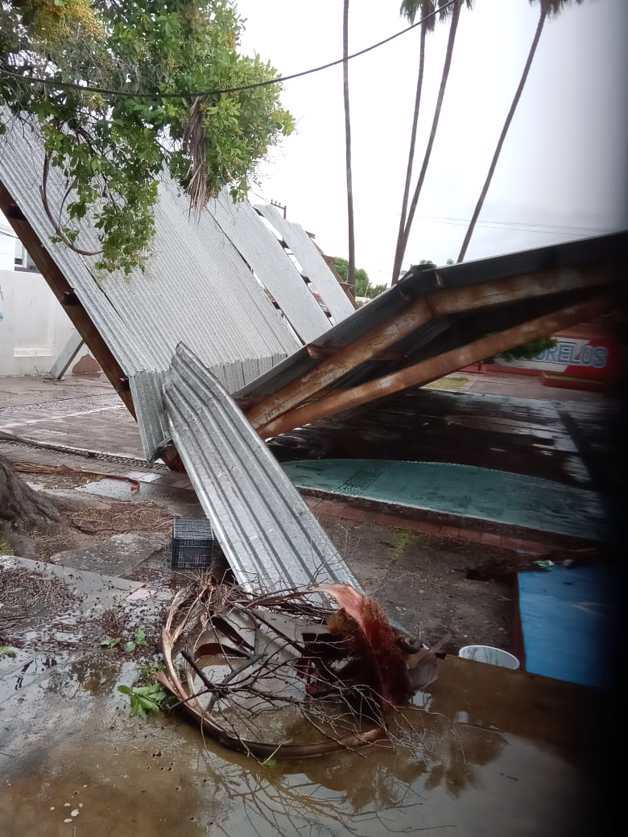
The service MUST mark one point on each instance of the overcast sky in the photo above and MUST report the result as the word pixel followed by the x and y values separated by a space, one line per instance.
pixel 563 171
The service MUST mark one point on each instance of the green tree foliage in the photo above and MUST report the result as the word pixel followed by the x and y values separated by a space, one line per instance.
pixel 113 148
pixel 363 286
pixel 529 350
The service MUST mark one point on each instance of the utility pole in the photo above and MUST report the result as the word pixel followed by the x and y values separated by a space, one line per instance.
pixel 281 206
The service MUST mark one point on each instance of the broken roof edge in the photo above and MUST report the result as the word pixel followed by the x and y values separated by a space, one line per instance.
pixel 419 282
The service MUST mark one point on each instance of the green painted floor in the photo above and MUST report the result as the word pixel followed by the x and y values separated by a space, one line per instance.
pixel 464 490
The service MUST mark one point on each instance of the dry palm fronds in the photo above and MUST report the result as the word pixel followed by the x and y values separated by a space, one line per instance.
pixel 195 145
pixel 285 674
pixel 65 470
pixel 148 519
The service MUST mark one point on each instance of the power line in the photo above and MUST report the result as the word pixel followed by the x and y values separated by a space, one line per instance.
pixel 89 88
pixel 520 225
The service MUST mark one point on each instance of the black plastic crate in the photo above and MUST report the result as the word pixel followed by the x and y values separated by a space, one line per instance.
pixel 194 545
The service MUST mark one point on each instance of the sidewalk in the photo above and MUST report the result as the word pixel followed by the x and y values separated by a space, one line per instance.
pixel 512 386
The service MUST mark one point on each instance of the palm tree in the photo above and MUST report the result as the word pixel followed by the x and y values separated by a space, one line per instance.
pixel 409 9
pixel 547 8
pixel 345 75
pixel 447 9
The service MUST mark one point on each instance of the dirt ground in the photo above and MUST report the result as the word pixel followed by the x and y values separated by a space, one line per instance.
pixel 420 580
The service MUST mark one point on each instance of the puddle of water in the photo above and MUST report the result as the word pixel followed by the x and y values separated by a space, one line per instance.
pixel 497 753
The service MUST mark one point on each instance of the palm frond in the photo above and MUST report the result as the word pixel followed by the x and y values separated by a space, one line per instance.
pixel 445 10
pixel 554 7
pixel 195 146
pixel 410 8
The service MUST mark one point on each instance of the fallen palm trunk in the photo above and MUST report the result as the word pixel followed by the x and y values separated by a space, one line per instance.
pixel 287 667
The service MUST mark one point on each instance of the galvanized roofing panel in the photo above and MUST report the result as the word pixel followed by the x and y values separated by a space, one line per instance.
pixel 268 534
pixel 195 284
pixel 312 263
pixel 147 392
pixel 265 255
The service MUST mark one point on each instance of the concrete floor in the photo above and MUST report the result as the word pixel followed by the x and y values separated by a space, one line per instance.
pixel 78 412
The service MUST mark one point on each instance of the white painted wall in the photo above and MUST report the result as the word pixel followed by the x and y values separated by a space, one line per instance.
pixel 7 245
pixel 33 325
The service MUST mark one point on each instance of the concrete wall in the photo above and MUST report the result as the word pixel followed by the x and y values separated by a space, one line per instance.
pixel 33 326
pixel 7 246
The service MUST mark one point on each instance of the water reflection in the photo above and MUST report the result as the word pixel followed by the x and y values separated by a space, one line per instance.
pixel 370 791
pixel 449 767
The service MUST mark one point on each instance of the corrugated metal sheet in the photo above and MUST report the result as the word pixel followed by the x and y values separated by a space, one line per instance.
pixel 268 534
pixel 194 286
pixel 245 229
pixel 312 263
pixel 147 393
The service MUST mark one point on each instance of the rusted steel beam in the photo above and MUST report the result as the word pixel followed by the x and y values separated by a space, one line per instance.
pixel 439 303
pixel 436 367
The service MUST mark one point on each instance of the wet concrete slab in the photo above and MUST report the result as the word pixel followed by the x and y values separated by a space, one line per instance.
pixel 46 605
pixel 119 555
pixel 31 389
pixel 179 501
pixel 87 415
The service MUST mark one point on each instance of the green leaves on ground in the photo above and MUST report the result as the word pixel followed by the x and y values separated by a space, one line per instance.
pixel 138 641
pixel 112 149
pixel 144 700
pixel 529 350
pixel 7 651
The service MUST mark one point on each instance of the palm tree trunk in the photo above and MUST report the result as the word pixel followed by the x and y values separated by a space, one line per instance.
pixel 345 74
pixel 502 136
pixel 406 188
pixel 437 111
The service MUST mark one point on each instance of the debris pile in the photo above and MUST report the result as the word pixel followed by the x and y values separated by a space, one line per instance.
pixel 291 673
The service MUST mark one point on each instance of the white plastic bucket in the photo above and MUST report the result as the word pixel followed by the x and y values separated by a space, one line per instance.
pixel 490 655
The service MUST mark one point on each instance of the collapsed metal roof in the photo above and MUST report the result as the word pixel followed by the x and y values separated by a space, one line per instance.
pixel 313 265
pixel 265 255
pixel 269 536
pixel 433 322
pixel 195 283
pixel 210 282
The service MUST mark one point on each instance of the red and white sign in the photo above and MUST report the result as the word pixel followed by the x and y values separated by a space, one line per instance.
pixel 588 352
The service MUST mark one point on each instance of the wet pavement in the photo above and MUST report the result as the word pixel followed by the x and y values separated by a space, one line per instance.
pixel 492 751
pixel 75 412
pixel 484 751
pixel 496 752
